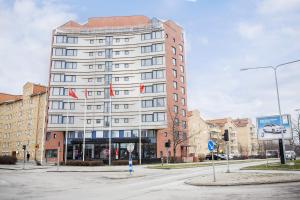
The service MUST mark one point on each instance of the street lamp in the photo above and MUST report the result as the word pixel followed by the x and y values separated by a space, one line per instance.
pixel 274 68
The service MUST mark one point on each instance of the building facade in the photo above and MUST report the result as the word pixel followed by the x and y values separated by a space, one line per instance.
pixel 247 137
pixel 22 122
pixel 129 76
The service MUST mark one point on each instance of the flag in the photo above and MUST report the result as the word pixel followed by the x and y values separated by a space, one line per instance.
pixel 85 93
pixel 142 87
pixel 111 92
pixel 72 94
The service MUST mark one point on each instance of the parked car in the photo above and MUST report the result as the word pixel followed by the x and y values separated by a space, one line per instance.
pixel 216 157
pixel 290 155
pixel 273 128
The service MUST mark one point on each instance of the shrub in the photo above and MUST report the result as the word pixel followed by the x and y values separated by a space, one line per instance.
pixel 84 163
pixel 201 157
pixel 8 160
pixel 123 162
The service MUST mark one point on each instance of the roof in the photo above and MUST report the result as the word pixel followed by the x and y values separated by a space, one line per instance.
pixel 114 21
pixel 219 122
pixel 9 97
pixel 241 122
pixel 36 90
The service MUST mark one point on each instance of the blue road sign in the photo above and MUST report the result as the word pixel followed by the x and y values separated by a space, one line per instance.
pixel 130 166
pixel 210 145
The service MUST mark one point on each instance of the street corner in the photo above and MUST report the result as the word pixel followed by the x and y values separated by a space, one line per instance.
pixel 238 178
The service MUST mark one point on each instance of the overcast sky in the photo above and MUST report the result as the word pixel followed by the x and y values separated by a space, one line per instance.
pixel 221 38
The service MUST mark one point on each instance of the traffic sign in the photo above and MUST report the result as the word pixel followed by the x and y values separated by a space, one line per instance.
pixel 130 147
pixel 210 145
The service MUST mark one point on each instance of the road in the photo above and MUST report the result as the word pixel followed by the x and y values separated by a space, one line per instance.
pixel 154 184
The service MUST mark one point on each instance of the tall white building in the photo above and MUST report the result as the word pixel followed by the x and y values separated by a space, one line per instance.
pixel 140 61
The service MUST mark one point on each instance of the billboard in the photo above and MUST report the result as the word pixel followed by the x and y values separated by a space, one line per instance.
pixel 269 128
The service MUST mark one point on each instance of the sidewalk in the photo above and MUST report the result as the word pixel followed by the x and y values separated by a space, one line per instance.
pixel 244 178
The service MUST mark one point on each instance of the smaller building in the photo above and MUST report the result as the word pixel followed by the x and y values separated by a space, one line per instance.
pixel 247 137
pixel 22 122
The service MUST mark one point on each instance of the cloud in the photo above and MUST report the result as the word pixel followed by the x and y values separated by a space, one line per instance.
pixel 250 31
pixel 278 6
pixel 25 38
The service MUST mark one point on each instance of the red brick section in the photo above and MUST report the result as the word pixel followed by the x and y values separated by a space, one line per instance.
pixel 53 142
pixel 173 38
pixel 118 21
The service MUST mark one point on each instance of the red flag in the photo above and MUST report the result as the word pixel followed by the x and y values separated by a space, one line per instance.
pixel 72 94
pixel 111 92
pixel 142 87
pixel 85 93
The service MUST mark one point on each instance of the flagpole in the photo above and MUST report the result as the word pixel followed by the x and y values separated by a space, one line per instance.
pixel 67 127
pixel 109 137
pixel 140 128
pixel 84 128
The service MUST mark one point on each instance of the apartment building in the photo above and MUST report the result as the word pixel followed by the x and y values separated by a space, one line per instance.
pixel 22 122
pixel 200 132
pixel 128 74
pixel 247 137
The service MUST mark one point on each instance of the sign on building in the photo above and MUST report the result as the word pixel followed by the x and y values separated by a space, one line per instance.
pixel 270 128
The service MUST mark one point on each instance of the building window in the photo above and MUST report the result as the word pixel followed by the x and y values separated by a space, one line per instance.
pixel 126 39
pixel 182 90
pixel 117 40
pixel 182 79
pixel 126 52
pixel 91 53
pixel 117 53
pixel 90 93
pixel 116 120
pixel 183 112
pixel 126 120
pixel 90 66
pixel 174 50
pixel 91 41
pixel 174 61
pixel 116 106
pixel 88 121
pixel 126 106
pixel 99 79
pixel 126 65
pixel 181 58
pixel 98 93
pixel 99 66
pixel 175 97
pixel 181 68
pixel 183 101
pixel 98 107
pixel 174 73
pixel 89 107
pixel 98 121
pixel 117 92
pixel 180 48
pixel 126 92
pixel 126 78
pixel 175 109
pixel 174 84
pixel 90 80
pixel 100 53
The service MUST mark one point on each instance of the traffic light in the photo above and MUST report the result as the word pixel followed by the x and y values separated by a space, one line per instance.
pixel 226 136
pixel 24 147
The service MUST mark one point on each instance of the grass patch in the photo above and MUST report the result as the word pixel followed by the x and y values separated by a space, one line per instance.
pixel 193 165
pixel 290 166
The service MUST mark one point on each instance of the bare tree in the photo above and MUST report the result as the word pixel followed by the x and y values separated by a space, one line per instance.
pixel 177 135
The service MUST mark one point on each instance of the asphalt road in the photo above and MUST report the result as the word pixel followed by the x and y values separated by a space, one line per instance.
pixel 154 184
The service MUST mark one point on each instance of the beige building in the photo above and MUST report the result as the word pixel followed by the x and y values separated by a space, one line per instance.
pixel 247 138
pixel 22 122
pixel 201 131
pixel 223 124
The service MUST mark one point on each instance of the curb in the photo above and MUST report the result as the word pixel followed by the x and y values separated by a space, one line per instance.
pixel 242 183
pixel 87 171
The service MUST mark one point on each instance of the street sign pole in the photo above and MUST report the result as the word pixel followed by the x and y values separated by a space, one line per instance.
pixel 211 147
pixel 130 148
pixel 58 150
pixel 24 149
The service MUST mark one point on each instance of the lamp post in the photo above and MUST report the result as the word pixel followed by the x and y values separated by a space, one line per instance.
pixel 274 68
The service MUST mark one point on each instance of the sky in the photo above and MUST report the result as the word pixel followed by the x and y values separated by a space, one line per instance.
pixel 221 37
